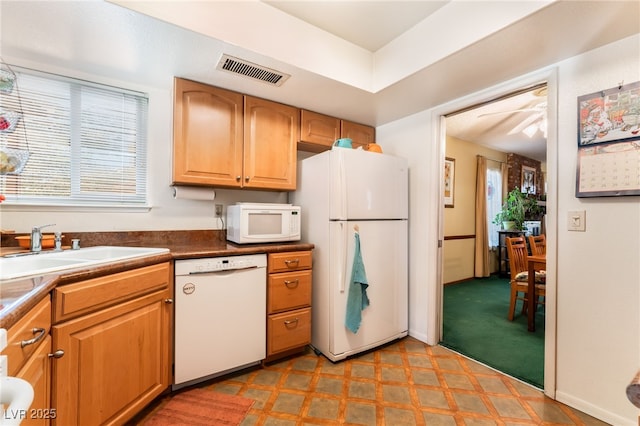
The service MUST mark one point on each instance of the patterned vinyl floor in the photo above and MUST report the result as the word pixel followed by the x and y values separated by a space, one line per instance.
pixel 403 383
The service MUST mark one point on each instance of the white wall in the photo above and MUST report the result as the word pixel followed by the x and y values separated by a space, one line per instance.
pixel 411 138
pixel 598 271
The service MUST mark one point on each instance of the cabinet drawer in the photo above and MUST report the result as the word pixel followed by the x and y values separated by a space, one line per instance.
pixel 25 336
pixel 289 261
pixel 288 290
pixel 288 330
pixel 87 296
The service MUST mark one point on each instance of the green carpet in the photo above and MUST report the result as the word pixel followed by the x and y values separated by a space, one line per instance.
pixel 476 325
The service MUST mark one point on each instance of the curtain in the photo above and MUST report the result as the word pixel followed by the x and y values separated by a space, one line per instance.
pixel 504 169
pixel 482 232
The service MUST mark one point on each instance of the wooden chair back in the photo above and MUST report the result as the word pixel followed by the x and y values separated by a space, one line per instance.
pixel 538 244
pixel 517 250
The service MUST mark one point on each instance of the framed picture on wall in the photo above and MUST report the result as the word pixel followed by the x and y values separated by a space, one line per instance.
pixel 528 180
pixel 449 181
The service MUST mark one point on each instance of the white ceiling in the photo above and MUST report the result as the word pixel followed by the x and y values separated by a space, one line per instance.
pixel 368 24
pixel 369 62
pixel 497 125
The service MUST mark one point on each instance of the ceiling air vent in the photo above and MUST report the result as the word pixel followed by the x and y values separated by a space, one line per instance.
pixel 251 70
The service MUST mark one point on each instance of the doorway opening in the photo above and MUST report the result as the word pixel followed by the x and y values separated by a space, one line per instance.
pixel 510 133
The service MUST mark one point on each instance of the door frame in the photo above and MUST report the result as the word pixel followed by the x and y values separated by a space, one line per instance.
pixel 438 126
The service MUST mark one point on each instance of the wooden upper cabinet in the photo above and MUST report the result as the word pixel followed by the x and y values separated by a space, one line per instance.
pixel 270 136
pixel 359 134
pixel 318 132
pixel 207 135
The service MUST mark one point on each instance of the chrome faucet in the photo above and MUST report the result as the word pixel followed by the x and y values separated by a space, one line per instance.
pixel 36 237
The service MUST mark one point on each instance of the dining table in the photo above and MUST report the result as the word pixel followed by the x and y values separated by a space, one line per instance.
pixel 535 263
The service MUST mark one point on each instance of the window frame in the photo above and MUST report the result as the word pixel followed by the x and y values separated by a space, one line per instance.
pixel 141 155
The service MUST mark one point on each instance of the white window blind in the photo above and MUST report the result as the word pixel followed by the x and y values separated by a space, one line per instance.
pixel 86 143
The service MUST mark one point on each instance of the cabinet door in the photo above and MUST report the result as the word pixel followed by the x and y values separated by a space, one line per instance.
pixel 207 135
pixel 115 361
pixel 318 132
pixel 359 134
pixel 37 371
pixel 271 132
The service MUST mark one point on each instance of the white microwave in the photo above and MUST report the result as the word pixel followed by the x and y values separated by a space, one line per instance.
pixel 262 223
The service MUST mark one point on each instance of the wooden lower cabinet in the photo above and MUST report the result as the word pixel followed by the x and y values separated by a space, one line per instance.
pixel 27 351
pixel 116 359
pixel 288 331
pixel 288 303
pixel 37 371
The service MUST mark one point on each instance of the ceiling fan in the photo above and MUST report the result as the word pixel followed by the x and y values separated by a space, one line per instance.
pixel 532 122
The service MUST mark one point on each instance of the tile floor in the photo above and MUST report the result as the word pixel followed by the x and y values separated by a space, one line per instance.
pixel 403 383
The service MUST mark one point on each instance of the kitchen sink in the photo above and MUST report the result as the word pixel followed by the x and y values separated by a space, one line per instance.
pixel 30 264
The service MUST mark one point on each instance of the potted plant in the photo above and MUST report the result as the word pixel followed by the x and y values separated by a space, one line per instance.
pixel 513 210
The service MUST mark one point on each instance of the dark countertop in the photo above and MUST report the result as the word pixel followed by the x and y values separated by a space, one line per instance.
pixel 18 296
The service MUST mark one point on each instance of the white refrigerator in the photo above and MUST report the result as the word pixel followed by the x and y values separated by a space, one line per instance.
pixel 339 191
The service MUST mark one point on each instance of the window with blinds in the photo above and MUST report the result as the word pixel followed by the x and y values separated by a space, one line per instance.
pixel 86 142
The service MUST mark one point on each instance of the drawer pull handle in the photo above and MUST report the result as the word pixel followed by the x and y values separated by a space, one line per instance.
pixel 40 332
pixel 292 284
pixel 291 322
pixel 292 263
pixel 57 354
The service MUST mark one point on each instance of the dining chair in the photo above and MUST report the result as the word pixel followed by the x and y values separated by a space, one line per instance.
pixel 538 244
pixel 517 250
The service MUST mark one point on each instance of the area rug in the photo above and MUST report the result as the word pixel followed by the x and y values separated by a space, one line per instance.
pixel 201 407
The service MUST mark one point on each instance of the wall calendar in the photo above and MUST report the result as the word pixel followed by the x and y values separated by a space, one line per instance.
pixel 609 142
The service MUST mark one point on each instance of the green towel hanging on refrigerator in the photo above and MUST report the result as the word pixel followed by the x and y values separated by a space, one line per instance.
pixel 357 299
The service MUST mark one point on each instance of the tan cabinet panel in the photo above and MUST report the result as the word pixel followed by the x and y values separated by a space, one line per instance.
pixel 288 303
pixel 226 139
pixel 207 135
pixel 318 132
pixel 288 330
pixel 117 357
pixel 359 134
pixel 24 337
pixel 289 261
pixel 37 371
pixel 288 291
pixel 270 131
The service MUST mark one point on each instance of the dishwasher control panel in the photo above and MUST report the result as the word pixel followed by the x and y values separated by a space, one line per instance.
pixel 218 264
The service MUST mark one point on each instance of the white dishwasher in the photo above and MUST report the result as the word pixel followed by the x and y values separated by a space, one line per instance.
pixel 220 316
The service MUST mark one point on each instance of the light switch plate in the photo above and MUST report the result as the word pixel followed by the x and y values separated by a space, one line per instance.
pixel 576 220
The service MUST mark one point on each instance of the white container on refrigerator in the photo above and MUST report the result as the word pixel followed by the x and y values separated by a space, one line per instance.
pixel 337 191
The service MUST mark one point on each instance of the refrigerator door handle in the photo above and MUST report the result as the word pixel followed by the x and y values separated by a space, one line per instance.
pixel 342 258
pixel 343 188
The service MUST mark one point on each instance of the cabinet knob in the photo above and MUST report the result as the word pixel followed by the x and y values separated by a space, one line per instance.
pixel 246 178
pixel 168 301
pixel 39 332
pixel 238 178
pixel 57 354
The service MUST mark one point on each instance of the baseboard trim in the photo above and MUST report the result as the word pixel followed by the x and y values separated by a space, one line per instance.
pixel 594 411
